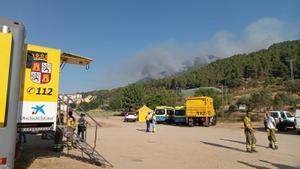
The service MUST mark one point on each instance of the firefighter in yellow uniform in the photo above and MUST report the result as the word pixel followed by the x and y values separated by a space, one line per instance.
pixel 71 121
pixel 249 133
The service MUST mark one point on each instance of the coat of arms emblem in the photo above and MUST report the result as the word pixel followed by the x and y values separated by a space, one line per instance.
pixel 40 69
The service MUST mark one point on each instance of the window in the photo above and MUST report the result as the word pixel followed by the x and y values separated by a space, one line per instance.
pixel 179 112
pixel 275 114
pixel 170 112
pixel 160 112
pixel 282 114
pixel 289 115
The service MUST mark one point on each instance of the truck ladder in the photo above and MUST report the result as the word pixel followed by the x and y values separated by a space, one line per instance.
pixel 85 147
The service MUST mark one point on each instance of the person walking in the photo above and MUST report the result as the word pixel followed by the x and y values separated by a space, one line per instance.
pixel 148 118
pixel 271 129
pixel 81 126
pixel 153 122
pixel 249 133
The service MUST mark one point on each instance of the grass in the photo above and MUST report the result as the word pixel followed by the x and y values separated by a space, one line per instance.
pixel 103 113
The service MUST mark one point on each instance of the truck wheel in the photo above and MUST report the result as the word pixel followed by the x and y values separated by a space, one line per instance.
pixel 207 122
pixel 191 122
pixel 214 121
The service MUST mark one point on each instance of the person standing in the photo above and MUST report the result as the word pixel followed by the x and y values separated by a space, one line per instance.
pixel 153 122
pixel 249 133
pixel 270 124
pixel 58 135
pixel 148 118
pixel 81 126
pixel 71 121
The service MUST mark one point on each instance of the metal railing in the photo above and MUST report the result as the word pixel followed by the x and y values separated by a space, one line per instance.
pixel 78 110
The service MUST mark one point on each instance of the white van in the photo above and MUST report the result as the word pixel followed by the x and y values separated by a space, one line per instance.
pixel 283 119
pixel 297 120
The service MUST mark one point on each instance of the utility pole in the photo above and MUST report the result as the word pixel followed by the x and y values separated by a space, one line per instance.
pixel 222 101
pixel 291 69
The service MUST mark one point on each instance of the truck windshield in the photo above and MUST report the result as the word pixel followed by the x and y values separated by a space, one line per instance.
pixel 282 114
pixel 160 112
pixel 170 112
pixel 288 114
pixel 179 112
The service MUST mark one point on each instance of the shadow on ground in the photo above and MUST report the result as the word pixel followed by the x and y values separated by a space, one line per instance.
pixel 274 165
pixel 223 146
pixel 142 130
pixel 241 142
pixel 35 148
pixel 289 131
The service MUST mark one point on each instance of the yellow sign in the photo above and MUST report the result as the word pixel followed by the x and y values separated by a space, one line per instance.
pixel 41 76
pixel 5 52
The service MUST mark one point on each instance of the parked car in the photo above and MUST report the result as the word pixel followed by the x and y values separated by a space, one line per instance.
pixel 297 120
pixel 283 119
pixel 130 117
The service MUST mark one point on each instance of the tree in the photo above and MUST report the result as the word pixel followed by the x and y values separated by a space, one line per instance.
pixel 115 103
pixel 281 100
pixel 72 105
pixel 132 96
pixel 83 106
pixel 261 99
pixel 245 101
pixel 293 87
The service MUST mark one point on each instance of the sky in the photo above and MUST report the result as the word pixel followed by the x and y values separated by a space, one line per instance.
pixel 130 40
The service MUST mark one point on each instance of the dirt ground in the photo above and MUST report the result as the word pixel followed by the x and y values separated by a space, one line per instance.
pixel 128 146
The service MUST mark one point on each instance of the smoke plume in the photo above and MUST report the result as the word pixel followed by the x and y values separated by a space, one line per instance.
pixel 167 58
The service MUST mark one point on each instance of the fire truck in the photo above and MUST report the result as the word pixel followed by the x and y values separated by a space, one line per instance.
pixel 29 76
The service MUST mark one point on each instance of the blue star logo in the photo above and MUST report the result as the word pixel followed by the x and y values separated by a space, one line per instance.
pixel 38 109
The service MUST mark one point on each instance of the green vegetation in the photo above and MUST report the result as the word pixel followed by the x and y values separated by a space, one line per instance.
pixel 215 94
pixel 100 113
pixel 260 80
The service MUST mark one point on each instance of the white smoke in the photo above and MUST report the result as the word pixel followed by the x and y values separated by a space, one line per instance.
pixel 167 58
pixel 257 35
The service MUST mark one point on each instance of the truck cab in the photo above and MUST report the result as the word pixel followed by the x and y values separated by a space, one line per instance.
pixel 179 115
pixel 164 114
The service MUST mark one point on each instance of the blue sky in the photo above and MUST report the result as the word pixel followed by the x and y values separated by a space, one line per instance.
pixel 133 39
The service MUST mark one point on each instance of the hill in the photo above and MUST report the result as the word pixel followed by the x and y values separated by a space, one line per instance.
pixel 240 75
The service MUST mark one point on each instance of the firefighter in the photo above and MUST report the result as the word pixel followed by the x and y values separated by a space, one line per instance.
pixel 270 124
pixel 148 118
pixel 82 123
pixel 249 133
pixel 58 136
pixel 71 122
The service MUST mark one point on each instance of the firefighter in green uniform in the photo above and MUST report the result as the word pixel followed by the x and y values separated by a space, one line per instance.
pixel 249 133
pixel 58 136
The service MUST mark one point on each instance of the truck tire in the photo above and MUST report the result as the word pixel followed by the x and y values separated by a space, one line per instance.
pixel 191 122
pixel 207 122
pixel 214 121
